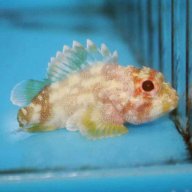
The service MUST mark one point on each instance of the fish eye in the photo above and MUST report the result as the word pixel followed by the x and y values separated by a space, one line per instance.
pixel 148 85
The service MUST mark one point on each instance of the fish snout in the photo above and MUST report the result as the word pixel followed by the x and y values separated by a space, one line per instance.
pixel 170 98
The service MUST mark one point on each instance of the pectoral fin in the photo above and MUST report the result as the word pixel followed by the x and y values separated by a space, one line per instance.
pixel 94 126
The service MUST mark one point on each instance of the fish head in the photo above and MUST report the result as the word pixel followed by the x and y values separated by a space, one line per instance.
pixel 152 96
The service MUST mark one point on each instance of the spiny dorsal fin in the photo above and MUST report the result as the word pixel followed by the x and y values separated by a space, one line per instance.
pixel 77 58
pixel 23 93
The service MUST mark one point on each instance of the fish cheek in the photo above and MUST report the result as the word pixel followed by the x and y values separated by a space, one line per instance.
pixel 137 114
pixel 143 112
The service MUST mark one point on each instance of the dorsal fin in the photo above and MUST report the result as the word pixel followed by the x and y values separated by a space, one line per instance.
pixel 78 58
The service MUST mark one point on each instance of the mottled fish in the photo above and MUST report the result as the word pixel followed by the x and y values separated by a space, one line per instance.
pixel 87 90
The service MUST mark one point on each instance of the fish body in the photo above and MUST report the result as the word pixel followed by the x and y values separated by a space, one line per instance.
pixel 87 90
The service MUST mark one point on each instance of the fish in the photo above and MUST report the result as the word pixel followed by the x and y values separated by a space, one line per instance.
pixel 86 90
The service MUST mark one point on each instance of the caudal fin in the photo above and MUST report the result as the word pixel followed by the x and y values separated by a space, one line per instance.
pixel 23 93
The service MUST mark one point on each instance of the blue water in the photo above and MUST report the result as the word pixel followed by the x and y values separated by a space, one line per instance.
pixel 28 38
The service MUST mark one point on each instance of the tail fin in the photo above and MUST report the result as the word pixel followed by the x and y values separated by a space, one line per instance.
pixel 24 92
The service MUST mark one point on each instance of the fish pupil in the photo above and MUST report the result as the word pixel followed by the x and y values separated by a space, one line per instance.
pixel 148 85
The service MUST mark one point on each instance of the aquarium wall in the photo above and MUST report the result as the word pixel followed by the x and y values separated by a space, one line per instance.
pixel 160 36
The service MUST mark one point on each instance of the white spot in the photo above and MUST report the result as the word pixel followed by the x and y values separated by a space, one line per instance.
pixel 85 98
pixel 55 85
pixel 59 116
pixel 73 80
pixel 112 97
pixel 24 111
pixel 37 108
pixel 24 122
pixel 53 97
pixel 119 107
pixel 40 98
pixel 100 94
pixel 89 83
pixel 35 117
pixel 113 71
pixel 156 109
pixel 96 69
pixel 74 91
pixel 32 105
pixel 124 95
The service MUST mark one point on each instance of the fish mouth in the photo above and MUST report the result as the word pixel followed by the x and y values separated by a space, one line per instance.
pixel 170 98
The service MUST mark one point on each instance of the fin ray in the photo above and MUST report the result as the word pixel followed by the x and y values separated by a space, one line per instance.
pixel 78 58
pixel 25 91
